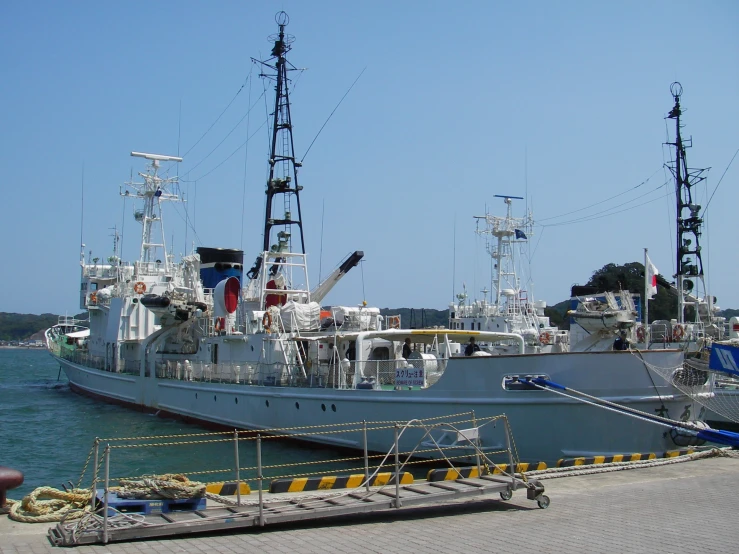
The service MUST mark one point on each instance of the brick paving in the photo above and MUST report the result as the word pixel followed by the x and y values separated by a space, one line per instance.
pixel 679 508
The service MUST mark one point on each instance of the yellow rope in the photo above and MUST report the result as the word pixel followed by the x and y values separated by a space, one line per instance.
pixel 47 504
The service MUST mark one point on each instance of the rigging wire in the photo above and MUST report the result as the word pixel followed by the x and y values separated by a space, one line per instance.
pixel 332 113
pixel 596 216
pixel 239 147
pixel 246 159
pixel 222 141
pixel 719 181
pixel 364 295
pixel 603 201
pixel 219 117
pixel 671 215
pixel 605 213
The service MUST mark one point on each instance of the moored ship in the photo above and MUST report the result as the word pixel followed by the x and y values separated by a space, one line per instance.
pixel 203 340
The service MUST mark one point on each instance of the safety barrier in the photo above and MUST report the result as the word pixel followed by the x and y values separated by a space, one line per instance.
pixel 303 484
pixel 453 474
pixel 581 461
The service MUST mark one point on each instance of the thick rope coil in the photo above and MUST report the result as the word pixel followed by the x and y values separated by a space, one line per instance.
pixel 47 504
pixel 171 486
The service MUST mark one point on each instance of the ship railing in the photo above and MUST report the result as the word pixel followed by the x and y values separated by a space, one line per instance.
pixel 149 269
pixel 84 358
pixel 399 373
pixel 345 374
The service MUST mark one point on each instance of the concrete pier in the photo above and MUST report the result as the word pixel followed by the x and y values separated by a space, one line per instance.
pixel 683 507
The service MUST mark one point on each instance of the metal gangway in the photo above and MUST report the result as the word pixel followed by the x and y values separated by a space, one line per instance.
pixel 396 492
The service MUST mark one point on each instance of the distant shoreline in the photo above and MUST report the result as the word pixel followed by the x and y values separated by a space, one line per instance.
pixel 22 347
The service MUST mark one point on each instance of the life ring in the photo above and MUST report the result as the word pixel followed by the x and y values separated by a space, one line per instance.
pixel 545 337
pixel 267 320
pixel 641 333
pixel 139 287
pixel 93 298
pixel 678 332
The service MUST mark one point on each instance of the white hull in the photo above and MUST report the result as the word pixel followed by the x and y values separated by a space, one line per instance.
pixel 594 322
pixel 546 426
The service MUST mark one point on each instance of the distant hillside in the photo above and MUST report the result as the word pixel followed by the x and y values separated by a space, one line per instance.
pixel 14 327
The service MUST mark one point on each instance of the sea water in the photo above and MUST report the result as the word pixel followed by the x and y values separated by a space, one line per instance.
pixel 47 432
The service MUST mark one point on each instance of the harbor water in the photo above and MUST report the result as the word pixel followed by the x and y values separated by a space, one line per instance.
pixel 47 432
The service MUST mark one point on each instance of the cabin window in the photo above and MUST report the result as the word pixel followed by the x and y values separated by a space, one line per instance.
pixel 380 353
pixel 214 354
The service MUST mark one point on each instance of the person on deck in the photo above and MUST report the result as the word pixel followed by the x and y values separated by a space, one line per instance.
pixel 407 348
pixel 471 348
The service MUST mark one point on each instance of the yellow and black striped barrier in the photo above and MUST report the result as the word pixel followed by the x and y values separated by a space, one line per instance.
pixel 583 461
pixel 302 484
pixel 228 488
pixel 472 472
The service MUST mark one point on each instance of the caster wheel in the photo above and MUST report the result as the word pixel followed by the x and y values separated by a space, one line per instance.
pixel 543 501
pixel 506 495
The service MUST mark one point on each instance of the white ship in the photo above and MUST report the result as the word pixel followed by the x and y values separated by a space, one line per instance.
pixel 200 339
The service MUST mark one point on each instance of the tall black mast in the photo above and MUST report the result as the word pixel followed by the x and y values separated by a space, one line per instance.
pixel 689 263
pixel 283 176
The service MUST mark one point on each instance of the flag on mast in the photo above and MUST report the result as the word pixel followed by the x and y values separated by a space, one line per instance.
pixel 651 279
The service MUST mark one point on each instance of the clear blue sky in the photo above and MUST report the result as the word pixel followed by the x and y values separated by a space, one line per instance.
pixel 560 101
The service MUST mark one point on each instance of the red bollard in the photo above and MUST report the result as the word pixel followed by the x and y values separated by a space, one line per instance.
pixel 9 479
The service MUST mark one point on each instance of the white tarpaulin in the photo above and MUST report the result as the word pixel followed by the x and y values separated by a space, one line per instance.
pixel 364 319
pixel 300 317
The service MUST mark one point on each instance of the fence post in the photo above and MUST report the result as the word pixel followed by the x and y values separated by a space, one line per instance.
pixel 397 470
pixel 236 457
pixel 259 480
pixel 366 457
pixel 94 474
pixel 105 494
pixel 476 443
pixel 511 467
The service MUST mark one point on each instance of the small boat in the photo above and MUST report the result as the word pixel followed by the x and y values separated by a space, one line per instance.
pixel 203 340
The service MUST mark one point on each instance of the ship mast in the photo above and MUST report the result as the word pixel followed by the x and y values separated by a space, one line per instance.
pixel 153 191
pixel 283 176
pixel 506 232
pixel 689 263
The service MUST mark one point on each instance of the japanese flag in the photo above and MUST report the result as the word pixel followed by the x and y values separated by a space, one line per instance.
pixel 651 279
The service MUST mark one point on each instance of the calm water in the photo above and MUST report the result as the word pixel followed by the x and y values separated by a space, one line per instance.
pixel 47 431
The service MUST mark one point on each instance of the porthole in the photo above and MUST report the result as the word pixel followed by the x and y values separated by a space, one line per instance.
pixel 196 396
pixel 323 407
pixel 333 407
pixel 214 398
pixel 297 405
pixel 236 400
pixel 267 403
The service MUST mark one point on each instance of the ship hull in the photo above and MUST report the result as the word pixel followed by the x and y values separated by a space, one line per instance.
pixel 546 426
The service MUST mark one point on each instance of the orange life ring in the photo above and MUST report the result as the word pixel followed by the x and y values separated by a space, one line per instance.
pixel 545 337
pixel 139 287
pixel 93 298
pixel 267 320
pixel 678 332
pixel 641 333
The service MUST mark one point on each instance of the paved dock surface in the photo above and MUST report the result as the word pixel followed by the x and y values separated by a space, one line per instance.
pixel 679 508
